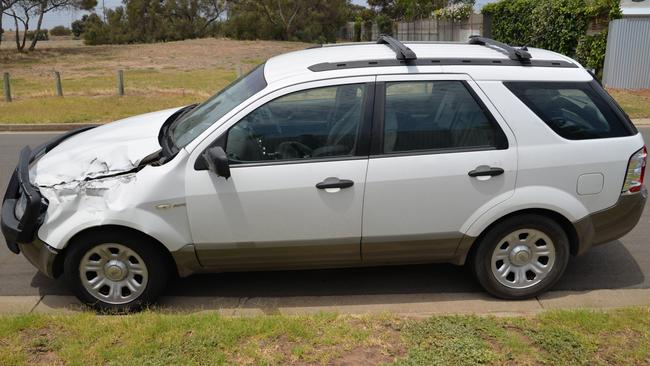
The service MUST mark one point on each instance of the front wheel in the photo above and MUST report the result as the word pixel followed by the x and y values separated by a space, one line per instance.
pixel 115 273
pixel 521 257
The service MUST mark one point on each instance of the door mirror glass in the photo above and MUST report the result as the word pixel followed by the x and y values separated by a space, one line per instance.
pixel 217 161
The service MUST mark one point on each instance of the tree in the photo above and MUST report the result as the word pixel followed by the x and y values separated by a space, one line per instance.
pixel 193 18
pixel 22 12
pixel 304 20
pixel 408 10
pixel 95 31
pixel 281 13
pixel 4 5
pixel 46 6
pixel 60 30
pixel 78 26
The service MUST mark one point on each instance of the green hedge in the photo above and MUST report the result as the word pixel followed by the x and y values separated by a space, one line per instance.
pixel 558 25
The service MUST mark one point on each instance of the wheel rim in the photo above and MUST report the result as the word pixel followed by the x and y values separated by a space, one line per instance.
pixel 113 273
pixel 523 258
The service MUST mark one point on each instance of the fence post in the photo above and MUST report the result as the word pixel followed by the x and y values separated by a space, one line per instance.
pixel 7 87
pixel 239 71
pixel 57 81
pixel 120 82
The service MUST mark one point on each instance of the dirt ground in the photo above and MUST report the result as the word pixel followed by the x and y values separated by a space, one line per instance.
pixel 73 59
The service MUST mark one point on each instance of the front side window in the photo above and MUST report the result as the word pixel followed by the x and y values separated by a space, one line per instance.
pixel 573 110
pixel 205 115
pixel 311 124
pixel 436 115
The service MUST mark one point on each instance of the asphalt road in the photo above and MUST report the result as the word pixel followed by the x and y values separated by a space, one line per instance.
pixel 624 263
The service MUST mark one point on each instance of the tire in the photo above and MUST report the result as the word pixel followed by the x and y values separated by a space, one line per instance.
pixel 527 268
pixel 133 270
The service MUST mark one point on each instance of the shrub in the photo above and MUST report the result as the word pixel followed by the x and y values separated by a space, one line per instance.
pixel 42 35
pixel 591 52
pixel 78 26
pixel 557 25
pixel 384 24
pixel 95 31
pixel 455 12
pixel 60 30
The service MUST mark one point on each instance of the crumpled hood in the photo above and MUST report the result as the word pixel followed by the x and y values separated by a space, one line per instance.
pixel 102 151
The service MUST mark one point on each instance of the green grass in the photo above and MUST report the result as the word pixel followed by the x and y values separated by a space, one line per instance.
pixel 76 109
pixel 617 337
pixel 93 99
pixel 198 82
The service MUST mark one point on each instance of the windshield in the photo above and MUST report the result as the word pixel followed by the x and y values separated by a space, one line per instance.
pixel 203 116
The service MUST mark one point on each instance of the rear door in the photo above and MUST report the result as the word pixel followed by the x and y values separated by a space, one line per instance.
pixel 441 155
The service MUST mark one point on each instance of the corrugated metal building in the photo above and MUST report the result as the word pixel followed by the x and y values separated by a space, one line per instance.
pixel 627 61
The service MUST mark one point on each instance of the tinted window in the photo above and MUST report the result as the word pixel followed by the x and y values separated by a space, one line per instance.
pixel 436 115
pixel 573 110
pixel 310 124
pixel 203 116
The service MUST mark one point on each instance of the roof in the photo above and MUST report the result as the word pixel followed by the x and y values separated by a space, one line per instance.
pixel 631 7
pixel 297 63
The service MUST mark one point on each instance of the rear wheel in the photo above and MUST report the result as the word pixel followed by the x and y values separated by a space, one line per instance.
pixel 116 272
pixel 521 257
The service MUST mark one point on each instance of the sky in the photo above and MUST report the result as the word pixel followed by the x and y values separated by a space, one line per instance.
pixel 67 17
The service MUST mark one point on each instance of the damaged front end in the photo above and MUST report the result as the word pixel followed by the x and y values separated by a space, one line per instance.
pixel 87 178
pixel 23 206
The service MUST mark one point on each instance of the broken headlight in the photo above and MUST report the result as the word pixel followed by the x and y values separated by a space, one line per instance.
pixel 21 206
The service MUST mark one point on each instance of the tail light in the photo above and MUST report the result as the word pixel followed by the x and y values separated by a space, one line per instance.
pixel 635 171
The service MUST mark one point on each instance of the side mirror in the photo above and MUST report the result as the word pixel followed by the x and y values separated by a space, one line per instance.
pixel 217 161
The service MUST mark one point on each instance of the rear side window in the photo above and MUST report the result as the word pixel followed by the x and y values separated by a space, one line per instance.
pixel 575 111
pixel 437 115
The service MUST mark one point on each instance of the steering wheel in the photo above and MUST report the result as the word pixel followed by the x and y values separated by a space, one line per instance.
pixel 293 149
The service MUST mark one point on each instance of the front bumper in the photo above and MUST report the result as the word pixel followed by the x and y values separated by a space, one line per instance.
pixel 18 231
pixel 20 234
pixel 611 223
pixel 42 256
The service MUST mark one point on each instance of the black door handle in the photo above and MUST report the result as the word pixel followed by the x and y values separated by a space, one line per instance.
pixel 333 182
pixel 485 170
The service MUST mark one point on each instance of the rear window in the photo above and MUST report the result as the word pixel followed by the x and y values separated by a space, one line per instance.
pixel 575 111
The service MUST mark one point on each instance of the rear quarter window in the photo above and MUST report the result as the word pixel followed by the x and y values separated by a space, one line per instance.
pixel 574 110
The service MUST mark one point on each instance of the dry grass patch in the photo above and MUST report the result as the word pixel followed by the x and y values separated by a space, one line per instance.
pixel 635 102
pixel 78 61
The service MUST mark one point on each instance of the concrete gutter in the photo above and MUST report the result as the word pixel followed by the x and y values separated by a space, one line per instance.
pixel 59 127
pixel 412 305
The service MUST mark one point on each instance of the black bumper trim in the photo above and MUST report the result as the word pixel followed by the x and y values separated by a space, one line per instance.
pixel 611 223
pixel 43 257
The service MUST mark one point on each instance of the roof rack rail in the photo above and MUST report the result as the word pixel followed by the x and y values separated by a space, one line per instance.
pixel 402 52
pixel 513 53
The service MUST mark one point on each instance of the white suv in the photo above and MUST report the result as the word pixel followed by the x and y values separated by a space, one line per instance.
pixel 507 159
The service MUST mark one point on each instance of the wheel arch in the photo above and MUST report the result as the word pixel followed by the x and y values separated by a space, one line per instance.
pixel 95 230
pixel 563 221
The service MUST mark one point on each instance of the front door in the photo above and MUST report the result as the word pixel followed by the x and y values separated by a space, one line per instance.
pixel 441 156
pixel 294 200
